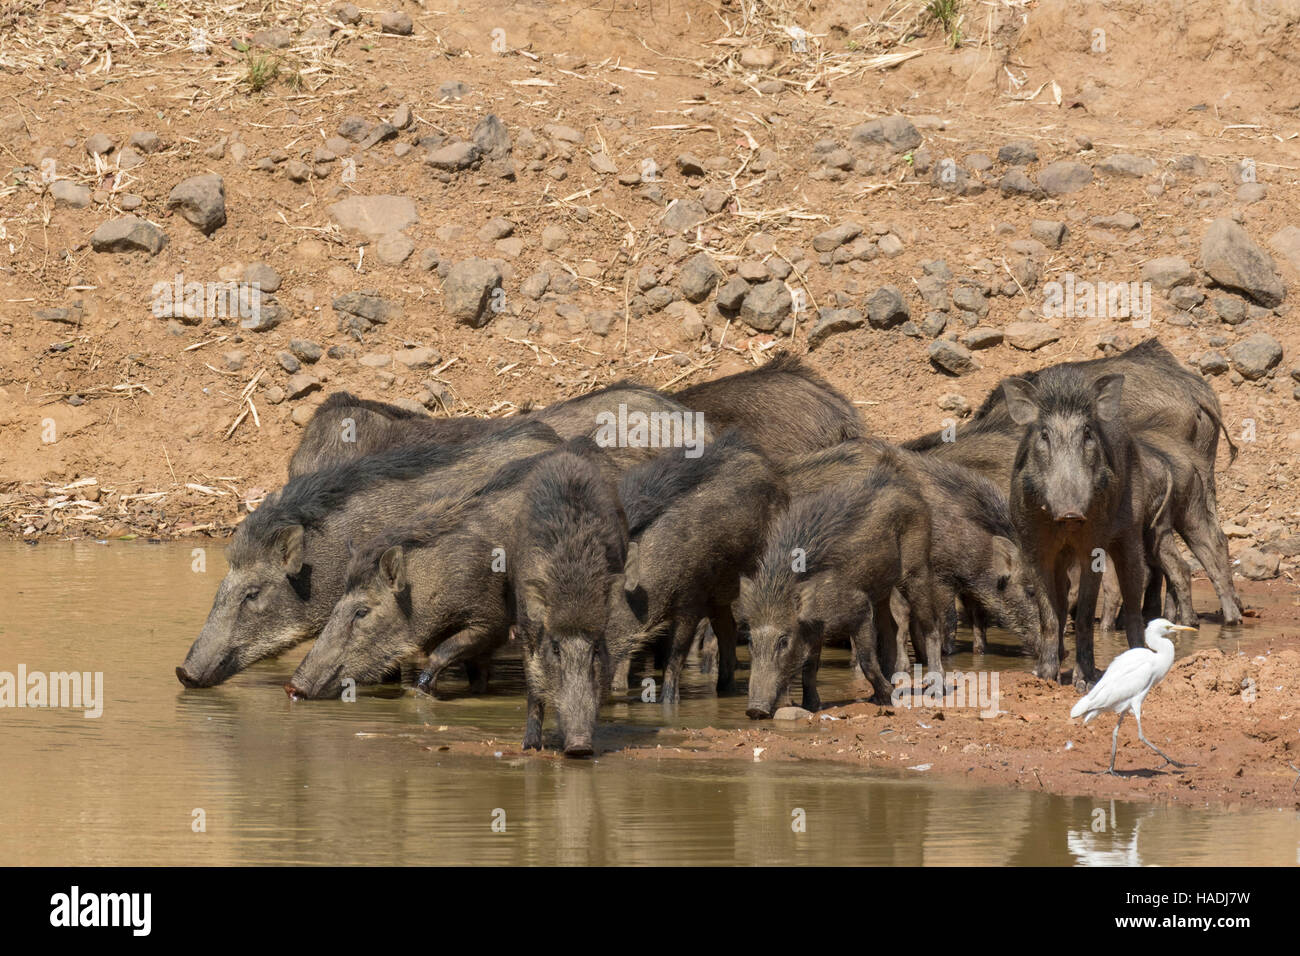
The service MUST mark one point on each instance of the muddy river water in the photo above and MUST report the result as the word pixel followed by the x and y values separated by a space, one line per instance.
pixel 240 775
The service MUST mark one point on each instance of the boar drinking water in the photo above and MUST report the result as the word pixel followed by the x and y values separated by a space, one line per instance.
pixel 436 585
pixel 288 559
pixel 570 547
pixel 974 552
pixel 827 569
pixel 697 525
pixel 1077 496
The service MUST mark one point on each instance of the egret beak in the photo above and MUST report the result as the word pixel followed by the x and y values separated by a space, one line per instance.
pixel 1183 627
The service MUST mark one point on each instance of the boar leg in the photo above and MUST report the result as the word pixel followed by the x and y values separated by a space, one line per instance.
pixel 811 699
pixel 887 638
pixel 876 629
pixel 682 635
pixel 1110 600
pixel 724 626
pixel 1085 673
pixel 979 625
pixel 1131 569
pixel 619 681
pixel 706 639
pixel 1210 546
pixel 471 642
pixel 1179 580
pixel 476 672
pixel 533 727
pixel 1052 597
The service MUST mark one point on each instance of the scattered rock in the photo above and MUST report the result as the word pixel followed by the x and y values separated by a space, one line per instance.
pixel 1030 336
pixel 396 22
pixel 468 289
pixel 886 308
pixel 263 276
pixel 394 248
pixel 375 216
pixel 1259 565
pixel 766 305
pixel 832 322
pixel 1255 356
pixel 1235 262
pixel 836 236
pixel 683 214
pixel 896 132
pixel 201 201
pixel 1064 177
pixel 951 357
pixel 128 234
pixel 698 277
pixel 68 193
pixel 1167 272
pixel 1126 164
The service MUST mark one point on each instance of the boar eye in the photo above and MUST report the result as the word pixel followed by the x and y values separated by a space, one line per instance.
pixel 555 648
pixel 251 595
pixel 1042 433
pixel 783 643
pixel 360 612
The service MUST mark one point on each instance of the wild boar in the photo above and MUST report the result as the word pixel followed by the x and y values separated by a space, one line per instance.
pixel 827 569
pixel 1077 495
pixel 288 559
pixel 570 546
pixel 696 526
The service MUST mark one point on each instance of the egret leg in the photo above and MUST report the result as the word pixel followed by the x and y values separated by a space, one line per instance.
pixel 1142 737
pixel 1114 744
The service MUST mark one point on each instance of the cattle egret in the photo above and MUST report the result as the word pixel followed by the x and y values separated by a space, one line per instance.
pixel 1128 680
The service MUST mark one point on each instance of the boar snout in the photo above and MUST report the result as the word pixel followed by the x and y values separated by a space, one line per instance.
pixel 757 712
pixel 1069 516
pixel 197 672
pixel 578 747
pixel 293 692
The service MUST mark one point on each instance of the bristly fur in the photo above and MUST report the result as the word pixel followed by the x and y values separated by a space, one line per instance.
pixel 574 538
pixel 818 524
pixel 434 521
pixel 348 400
pixel 310 498
pixel 650 489
pixel 989 506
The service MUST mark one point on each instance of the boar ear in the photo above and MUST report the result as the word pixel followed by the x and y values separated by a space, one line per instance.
pixel 392 565
pixel 531 601
pixel 632 567
pixel 1109 389
pixel 1004 559
pixel 746 588
pixel 1022 400
pixel 288 548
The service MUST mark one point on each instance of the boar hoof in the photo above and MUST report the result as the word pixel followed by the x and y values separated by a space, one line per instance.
pixel 757 713
pixel 533 743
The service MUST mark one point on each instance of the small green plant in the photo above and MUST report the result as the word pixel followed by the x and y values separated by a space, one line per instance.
pixel 261 71
pixel 947 13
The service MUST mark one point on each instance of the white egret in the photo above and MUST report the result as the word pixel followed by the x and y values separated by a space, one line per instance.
pixel 1128 680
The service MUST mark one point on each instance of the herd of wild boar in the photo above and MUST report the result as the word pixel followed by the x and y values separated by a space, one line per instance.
pixel 604 530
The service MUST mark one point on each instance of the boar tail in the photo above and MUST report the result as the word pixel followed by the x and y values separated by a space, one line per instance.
pixel 1169 487
pixel 1218 421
